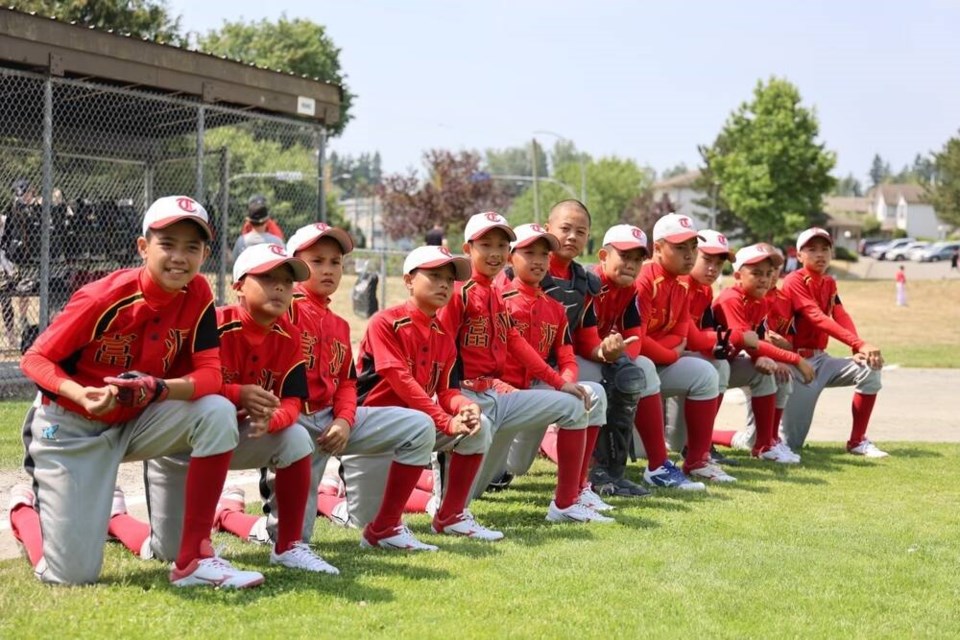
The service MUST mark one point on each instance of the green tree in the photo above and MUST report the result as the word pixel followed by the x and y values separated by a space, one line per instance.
pixel 771 171
pixel 612 185
pixel 297 46
pixel 945 192
pixel 149 19
pixel 879 170
pixel 847 186
pixel 676 170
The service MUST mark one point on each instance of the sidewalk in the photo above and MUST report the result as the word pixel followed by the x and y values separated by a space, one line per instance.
pixel 914 406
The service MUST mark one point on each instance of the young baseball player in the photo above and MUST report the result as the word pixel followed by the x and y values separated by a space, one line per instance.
pixel 626 382
pixel 743 309
pixel 478 318
pixel 542 321
pixel 708 338
pixel 820 316
pixel 331 415
pixel 406 359
pixel 901 278
pixel 664 303
pixel 624 251
pixel 129 371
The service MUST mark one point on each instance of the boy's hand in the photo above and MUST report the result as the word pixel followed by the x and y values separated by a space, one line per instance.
pixel 766 365
pixel 680 348
pixel 469 416
pixel 98 401
pixel 259 425
pixel 611 347
pixel 778 340
pixel 872 357
pixel 257 400
pixel 334 439
pixel 577 391
pixel 783 374
pixel 806 370
pixel 751 339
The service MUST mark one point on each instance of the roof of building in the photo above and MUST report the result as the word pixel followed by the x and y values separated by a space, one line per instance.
pixel 845 204
pixel 891 193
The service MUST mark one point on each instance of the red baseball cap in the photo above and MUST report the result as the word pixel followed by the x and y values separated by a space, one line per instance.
pixel 624 237
pixel 755 253
pixel 306 236
pixel 674 228
pixel 810 234
pixel 265 257
pixel 431 257
pixel 481 223
pixel 527 234
pixel 714 243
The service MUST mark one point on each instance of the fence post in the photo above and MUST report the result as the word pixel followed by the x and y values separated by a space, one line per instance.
pixel 45 209
pixel 224 223
pixel 321 193
pixel 200 135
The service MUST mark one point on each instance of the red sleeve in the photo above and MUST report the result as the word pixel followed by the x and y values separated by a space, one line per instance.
pixel 771 351
pixel 207 376
pixel 633 349
pixel 285 415
pixel 451 314
pixel 803 302
pixel 345 397
pixel 42 371
pixel 658 353
pixel 563 349
pixel 529 358
pixel 586 340
pixel 700 339
pixel 451 401
pixel 231 392
pixel 403 384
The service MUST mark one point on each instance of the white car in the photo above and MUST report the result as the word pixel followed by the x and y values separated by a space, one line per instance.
pixel 916 254
pixel 880 251
pixel 901 252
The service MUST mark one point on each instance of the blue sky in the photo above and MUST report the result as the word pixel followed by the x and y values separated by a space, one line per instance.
pixel 648 81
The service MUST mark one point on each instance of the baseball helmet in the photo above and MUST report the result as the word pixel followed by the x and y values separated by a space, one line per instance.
pixel 257 210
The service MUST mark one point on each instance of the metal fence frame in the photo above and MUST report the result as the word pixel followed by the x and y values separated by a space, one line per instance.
pixel 212 165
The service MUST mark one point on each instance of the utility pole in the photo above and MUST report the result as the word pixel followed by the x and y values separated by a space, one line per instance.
pixel 536 189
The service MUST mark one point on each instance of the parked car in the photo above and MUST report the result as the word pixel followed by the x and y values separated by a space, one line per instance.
pixel 900 253
pixel 940 251
pixel 878 251
pixel 917 253
pixel 867 243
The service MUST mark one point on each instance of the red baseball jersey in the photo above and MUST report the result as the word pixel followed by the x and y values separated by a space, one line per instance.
pixel 405 358
pixel 542 321
pixel 665 310
pixel 325 343
pixel 269 357
pixel 478 318
pixel 779 313
pixel 818 311
pixel 740 312
pixel 701 333
pixel 127 322
pixel 617 311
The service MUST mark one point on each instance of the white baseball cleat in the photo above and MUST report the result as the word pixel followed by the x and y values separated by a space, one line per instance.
pixel 778 455
pixel 466 525
pixel 591 500
pixel 576 513
pixel 669 476
pixel 787 450
pixel 713 473
pixel 401 540
pixel 868 450
pixel 432 506
pixel 301 556
pixel 213 571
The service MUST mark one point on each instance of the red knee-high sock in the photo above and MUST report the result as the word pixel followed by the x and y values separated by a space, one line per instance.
pixel 463 471
pixel 401 481
pixel 238 523
pixel 719 402
pixel 649 424
pixel 570 446
pixel 205 477
pixel 777 417
pixel 417 502
pixel 588 445
pixel 131 533
pixel 862 408
pixel 764 408
pixel 548 446
pixel 25 524
pixel 700 415
pixel 723 438
pixel 292 490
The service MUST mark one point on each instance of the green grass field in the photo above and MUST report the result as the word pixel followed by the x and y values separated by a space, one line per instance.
pixel 839 547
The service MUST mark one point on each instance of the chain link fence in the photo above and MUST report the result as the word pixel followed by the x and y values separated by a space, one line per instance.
pixel 80 162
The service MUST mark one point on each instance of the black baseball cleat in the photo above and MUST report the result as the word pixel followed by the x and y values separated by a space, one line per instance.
pixel 605 484
pixel 716 457
pixel 501 482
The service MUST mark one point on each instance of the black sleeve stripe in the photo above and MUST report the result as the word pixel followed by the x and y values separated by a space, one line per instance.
pixel 205 336
pixel 401 322
pixel 227 327
pixel 510 294
pixel 368 377
pixel 631 315
pixel 103 323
